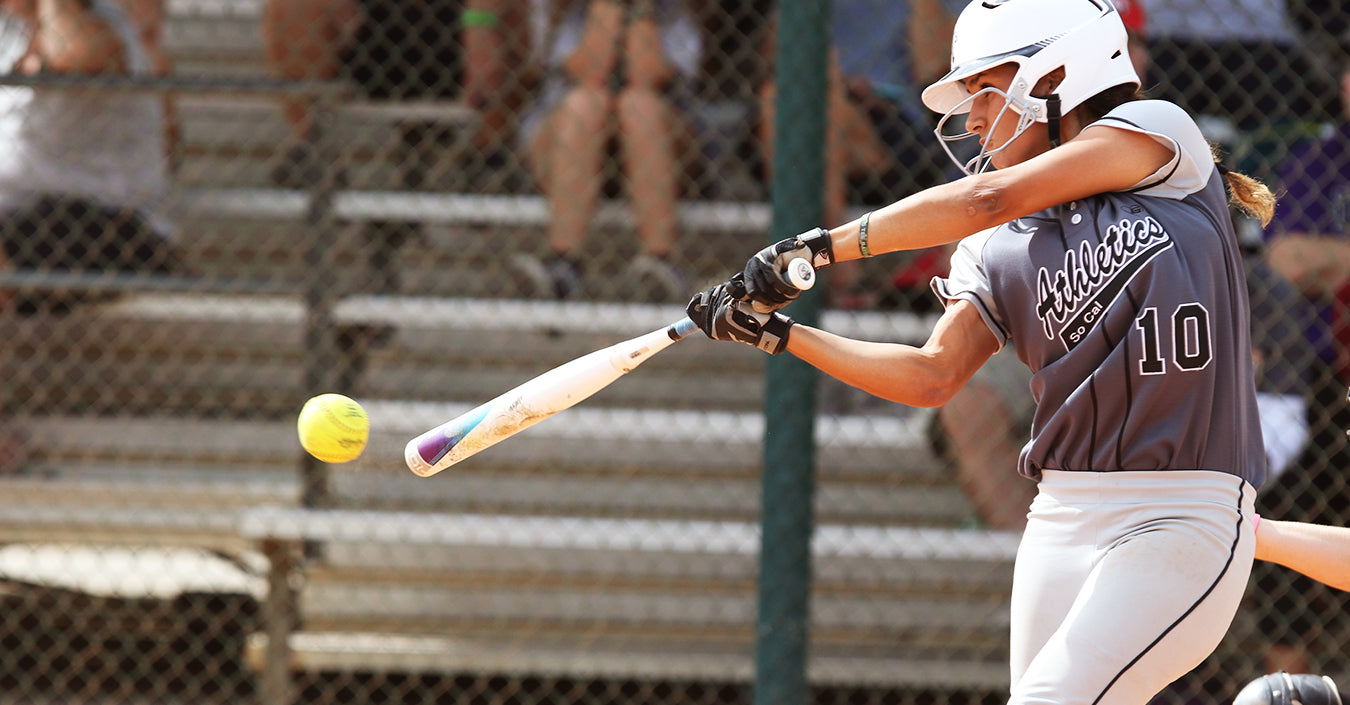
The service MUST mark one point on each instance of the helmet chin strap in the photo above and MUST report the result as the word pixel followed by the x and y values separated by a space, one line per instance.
pixel 1052 118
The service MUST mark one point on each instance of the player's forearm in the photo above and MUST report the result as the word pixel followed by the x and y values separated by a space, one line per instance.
pixel 1318 551
pixel 936 216
pixel 899 373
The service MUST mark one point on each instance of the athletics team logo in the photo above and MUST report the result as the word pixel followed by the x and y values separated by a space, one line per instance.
pixel 1071 301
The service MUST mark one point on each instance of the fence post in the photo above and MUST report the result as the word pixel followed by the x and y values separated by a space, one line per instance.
pixel 790 400
pixel 320 286
pixel 279 620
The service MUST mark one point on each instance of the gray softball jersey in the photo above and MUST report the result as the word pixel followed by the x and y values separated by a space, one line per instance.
pixel 1131 311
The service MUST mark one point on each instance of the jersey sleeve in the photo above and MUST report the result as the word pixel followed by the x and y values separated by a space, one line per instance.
pixel 1192 162
pixel 969 280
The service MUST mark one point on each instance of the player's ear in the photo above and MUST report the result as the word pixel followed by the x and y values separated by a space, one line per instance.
pixel 1049 82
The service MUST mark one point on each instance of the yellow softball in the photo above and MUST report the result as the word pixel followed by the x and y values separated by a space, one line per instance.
pixel 333 428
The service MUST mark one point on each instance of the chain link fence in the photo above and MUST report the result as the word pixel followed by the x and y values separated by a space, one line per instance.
pixel 243 203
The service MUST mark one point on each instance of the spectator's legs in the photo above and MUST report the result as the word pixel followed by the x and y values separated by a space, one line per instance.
pixel 836 161
pixel 842 159
pixel 985 455
pixel 568 151
pixel 304 39
pixel 650 130
pixel 490 51
pixel 852 147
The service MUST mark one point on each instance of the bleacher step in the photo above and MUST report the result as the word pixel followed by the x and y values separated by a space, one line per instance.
pixel 592 462
pixel 649 599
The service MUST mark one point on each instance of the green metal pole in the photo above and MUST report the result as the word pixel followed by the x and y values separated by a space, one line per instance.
pixel 790 402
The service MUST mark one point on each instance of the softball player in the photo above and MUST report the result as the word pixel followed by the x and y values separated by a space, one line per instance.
pixel 1098 241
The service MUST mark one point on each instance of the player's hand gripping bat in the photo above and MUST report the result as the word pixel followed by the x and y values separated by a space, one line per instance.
pixel 553 391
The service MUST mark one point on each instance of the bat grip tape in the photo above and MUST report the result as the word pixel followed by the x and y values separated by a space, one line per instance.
pixel 681 328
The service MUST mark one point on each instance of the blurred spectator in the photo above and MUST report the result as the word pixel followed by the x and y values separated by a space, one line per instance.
pixel 1283 358
pixel 619 74
pixel 1308 244
pixel 389 49
pixel 879 143
pixel 500 72
pixel 983 429
pixel 82 171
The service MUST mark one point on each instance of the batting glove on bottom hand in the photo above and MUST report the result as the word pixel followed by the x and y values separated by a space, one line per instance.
pixel 722 313
pixel 766 282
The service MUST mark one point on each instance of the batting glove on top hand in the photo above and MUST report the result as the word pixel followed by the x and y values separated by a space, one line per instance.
pixel 723 314
pixel 765 276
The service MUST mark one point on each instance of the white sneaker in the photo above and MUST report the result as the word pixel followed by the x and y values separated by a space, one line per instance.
pixel 555 279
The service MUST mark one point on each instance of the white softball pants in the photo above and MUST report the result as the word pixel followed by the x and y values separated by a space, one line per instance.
pixel 1125 581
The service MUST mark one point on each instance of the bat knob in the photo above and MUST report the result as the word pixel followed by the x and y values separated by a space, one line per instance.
pixel 800 273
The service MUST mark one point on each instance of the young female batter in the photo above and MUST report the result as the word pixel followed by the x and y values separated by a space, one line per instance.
pixel 1098 240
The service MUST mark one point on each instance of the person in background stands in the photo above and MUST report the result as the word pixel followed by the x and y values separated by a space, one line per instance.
pixel 617 74
pixel 1308 245
pixel 388 49
pixel 83 172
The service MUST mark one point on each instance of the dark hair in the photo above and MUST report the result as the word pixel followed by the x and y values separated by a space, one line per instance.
pixel 1099 105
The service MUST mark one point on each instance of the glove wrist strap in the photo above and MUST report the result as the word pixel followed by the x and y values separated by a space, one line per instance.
pixel 822 249
pixel 773 336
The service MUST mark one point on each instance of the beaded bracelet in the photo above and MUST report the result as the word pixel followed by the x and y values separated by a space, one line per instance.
pixel 862 235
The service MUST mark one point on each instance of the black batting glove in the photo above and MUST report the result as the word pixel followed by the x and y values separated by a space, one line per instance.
pixel 765 281
pixel 722 313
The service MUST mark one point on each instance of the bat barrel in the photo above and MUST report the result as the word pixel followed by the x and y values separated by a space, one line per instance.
pixel 549 393
pixel 537 399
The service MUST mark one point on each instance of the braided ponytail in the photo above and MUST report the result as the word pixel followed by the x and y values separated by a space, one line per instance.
pixel 1250 196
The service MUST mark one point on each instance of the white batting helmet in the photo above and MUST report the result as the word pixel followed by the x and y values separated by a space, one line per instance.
pixel 1085 37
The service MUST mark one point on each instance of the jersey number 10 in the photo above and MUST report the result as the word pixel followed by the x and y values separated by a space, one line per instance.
pixel 1190 344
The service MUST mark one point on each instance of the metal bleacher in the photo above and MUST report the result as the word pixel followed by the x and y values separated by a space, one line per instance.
pixel 608 543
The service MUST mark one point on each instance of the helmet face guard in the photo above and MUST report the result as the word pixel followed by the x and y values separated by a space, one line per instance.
pixel 949 138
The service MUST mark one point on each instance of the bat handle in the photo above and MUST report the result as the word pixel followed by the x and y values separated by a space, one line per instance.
pixel 681 329
pixel 799 273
